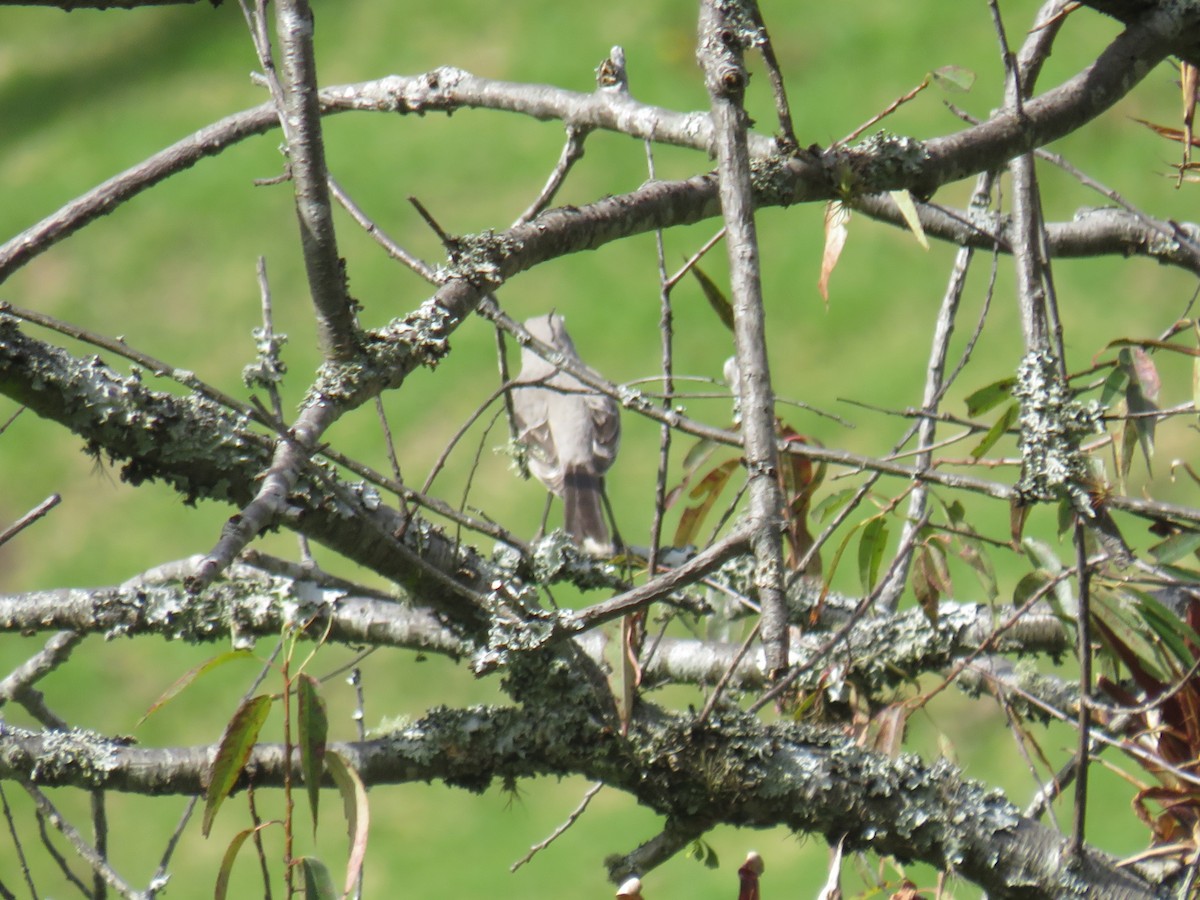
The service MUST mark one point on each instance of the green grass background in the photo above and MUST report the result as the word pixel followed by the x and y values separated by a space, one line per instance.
pixel 85 95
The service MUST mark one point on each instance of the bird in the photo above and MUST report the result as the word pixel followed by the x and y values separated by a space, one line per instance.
pixel 570 431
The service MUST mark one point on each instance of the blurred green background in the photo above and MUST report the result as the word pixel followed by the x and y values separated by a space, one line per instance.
pixel 85 95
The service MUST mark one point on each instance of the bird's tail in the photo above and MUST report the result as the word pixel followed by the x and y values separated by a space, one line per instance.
pixel 583 512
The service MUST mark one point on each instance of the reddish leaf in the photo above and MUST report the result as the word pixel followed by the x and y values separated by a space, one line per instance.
pixel 748 876
pixel 356 811
pixel 836 216
pixel 239 739
pixel 706 493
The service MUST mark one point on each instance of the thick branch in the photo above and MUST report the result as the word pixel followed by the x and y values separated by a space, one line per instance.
pixel 731 770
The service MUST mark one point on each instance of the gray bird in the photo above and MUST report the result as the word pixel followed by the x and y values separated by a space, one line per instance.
pixel 571 432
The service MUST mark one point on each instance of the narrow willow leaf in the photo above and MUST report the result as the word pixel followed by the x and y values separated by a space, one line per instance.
pixel 1062 595
pixel 999 428
pixel 356 811
pixel 1127 627
pixel 831 504
pixel 1114 386
pixel 192 675
pixel 870 551
pixel 908 209
pixel 1176 634
pixel 314 729
pixel 221 891
pixel 715 296
pixel 239 739
pixel 990 396
pixel 1176 547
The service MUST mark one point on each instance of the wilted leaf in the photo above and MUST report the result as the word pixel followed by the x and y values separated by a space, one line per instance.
pixel 715 296
pixel 1173 134
pixel 924 585
pixel 954 79
pixel 999 428
pixel 908 209
pixel 314 728
pixel 706 494
pixel 990 395
pixel 889 735
pixel 239 739
pixel 356 811
pixel 837 215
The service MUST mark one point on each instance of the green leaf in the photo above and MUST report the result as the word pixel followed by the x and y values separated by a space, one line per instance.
pixel 831 504
pixel 1114 386
pixel 870 551
pixel 239 739
pixel 701 851
pixel 954 79
pixel 997 431
pixel 1176 547
pixel 222 887
pixel 715 296
pixel 1062 596
pixel 1174 631
pixel 1031 583
pixel 978 561
pixel 908 209
pixel 192 675
pixel 318 883
pixel 356 811
pixel 990 396
pixel 1107 607
pixel 314 729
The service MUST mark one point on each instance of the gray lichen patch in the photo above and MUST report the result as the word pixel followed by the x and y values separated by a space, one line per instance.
pixel 1052 424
